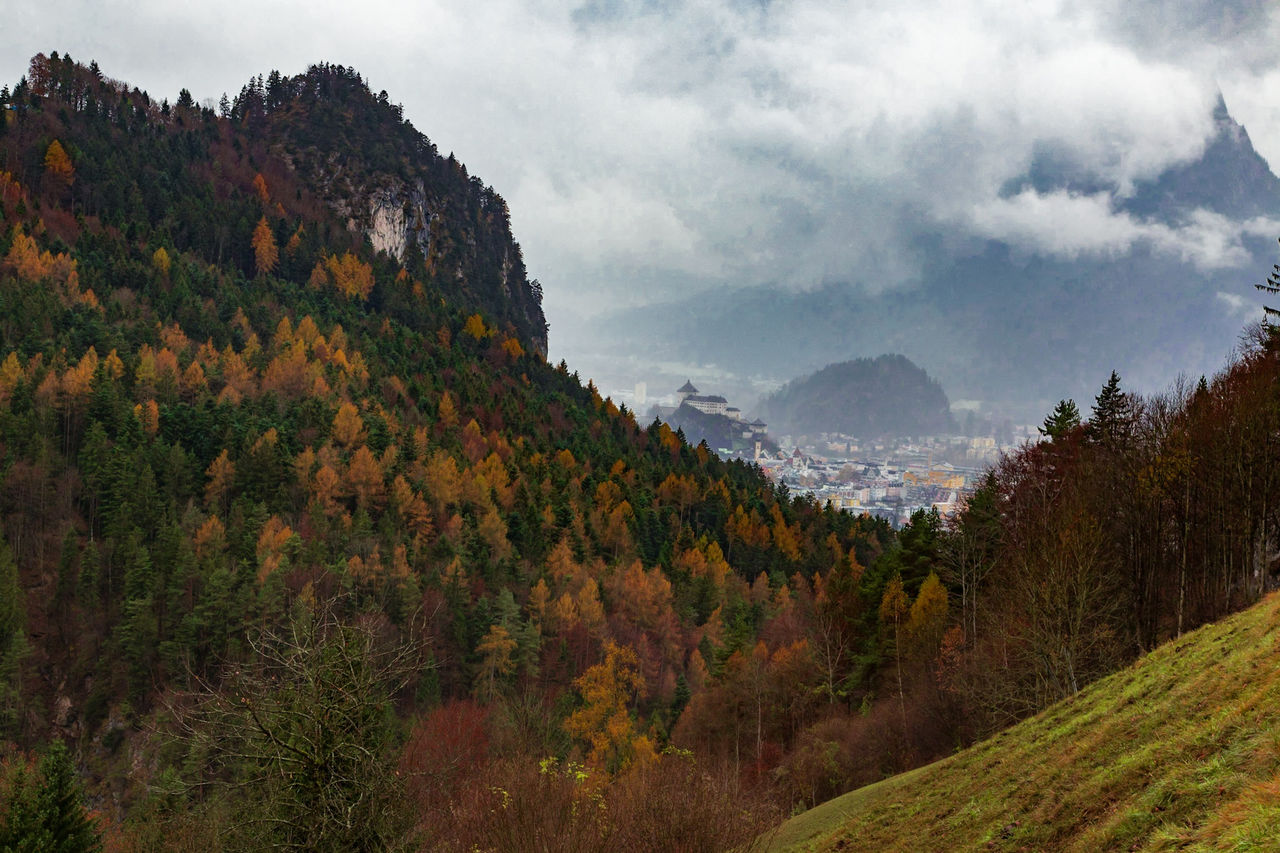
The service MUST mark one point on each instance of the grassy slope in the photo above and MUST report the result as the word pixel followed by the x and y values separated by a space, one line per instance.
pixel 1181 751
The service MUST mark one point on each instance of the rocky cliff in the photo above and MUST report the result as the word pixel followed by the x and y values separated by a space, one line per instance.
pixel 389 183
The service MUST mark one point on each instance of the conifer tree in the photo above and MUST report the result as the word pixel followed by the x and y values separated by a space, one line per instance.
pixel 44 811
pixel 1111 421
pixel 1061 421
pixel 61 805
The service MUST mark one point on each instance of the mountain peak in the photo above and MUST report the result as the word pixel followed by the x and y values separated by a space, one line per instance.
pixel 1229 178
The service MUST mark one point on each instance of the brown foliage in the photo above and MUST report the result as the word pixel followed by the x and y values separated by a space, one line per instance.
pixel 669 804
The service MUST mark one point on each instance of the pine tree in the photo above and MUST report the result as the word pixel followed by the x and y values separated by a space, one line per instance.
pixel 61 805
pixel 44 811
pixel 1061 421
pixel 1111 420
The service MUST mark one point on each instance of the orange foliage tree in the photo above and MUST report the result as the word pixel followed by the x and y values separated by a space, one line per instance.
pixel 265 253
pixel 57 165
pixel 347 273
pixel 603 721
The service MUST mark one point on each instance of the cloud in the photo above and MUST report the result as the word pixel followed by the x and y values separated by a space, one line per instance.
pixel 651 147
pixel 1234 303
pixel 1066 224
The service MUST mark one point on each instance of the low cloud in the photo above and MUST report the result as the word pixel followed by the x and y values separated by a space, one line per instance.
pixel 1066 224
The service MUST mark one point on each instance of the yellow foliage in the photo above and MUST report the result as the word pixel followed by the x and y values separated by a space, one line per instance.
pixel 173 338
pixel 364 475
pixel 160 261
pixel 113 365
pixel 447 411
pixel 10 374
pixel 496 661
pixel 30 264
pixel 590 610
pixel 928 617
pixel 10 190
pixel 493 531
pixel 400 564
pixel 564 613
pixel 443 480
pixel 210 538
pixel 193 380
pixel 348 428
pixel 603 721
pixel 57 164
pixel 271 541
pixel 346 273
pixel 512 347
pixel 325 489
pixel 476 328
pixel 284 333
pixel 77 381
pixel 260 187
pixel 307 331
pixel 539 596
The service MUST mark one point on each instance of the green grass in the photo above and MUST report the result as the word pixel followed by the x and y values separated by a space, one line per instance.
pixel 1181 751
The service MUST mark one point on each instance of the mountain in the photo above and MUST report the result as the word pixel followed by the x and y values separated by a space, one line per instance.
pixel 282 461
pixel 304 544
pixel 866 397
pixel 1172 753
pixel 1014 330
pixel 390 183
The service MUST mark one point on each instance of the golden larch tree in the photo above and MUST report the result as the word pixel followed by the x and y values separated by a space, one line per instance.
pixel 265 253
pixel 57 165
pixel 260 187
pixel 348 428
pixel 221 474
pixel 603 721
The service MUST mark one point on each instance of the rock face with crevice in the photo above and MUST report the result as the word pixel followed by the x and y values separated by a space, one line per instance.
pixel 389 183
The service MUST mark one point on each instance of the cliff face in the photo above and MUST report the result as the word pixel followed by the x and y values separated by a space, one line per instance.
pixel 408 219
pixel 389 183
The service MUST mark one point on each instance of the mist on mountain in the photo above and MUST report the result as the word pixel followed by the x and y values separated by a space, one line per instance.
pixel 1010 328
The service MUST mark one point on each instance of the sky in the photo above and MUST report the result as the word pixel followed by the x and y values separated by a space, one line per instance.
pixel 649 149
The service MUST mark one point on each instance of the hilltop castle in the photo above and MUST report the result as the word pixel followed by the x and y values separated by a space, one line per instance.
pixel 687 395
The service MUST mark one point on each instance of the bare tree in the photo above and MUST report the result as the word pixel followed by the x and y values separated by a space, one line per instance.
pixel 300 735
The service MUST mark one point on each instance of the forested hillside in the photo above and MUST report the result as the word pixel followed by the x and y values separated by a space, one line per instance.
pixel 866 397
pixel 306 545
pixel 227 420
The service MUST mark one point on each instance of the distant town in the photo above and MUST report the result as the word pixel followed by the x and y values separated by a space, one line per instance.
pixel 890 479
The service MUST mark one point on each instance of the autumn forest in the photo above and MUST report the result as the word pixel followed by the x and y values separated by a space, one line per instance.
pixel 306 545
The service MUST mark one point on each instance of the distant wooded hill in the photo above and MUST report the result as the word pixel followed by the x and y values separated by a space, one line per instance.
pixel 867 397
